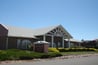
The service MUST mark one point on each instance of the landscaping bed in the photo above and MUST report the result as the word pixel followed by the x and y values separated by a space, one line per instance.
pixel 15 54
pixel 74 51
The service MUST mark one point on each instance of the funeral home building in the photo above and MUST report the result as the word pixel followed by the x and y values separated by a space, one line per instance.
pixel 20 38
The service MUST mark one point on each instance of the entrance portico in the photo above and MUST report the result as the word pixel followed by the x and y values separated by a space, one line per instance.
pixel 55 36
pixel 55 41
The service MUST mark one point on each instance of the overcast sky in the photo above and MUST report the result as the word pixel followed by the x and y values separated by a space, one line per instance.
pixel 78 17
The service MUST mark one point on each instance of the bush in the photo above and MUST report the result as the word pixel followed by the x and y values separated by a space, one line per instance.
pixel 3 55
pixel 25 57
pixel 53 50
pixel 76 49
pixel 61 49
pixel 92 49
pixel 45 56
pixel 54 54
pixel 96 47
pixel 14 54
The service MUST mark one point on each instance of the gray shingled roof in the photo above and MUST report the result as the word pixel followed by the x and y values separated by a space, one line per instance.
pixel 19 32
pixel 42 31
pixel 30 33
pixel 45 30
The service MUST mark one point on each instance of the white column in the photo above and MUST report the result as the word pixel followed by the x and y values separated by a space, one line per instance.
pixel 63 42
pixel 44 38
pixel 52 40
pixel 6 42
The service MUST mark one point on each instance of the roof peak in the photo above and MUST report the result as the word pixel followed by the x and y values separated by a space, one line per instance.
pixel 48 26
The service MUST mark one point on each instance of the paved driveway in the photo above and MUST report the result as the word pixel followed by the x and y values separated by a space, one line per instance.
pixel 93 60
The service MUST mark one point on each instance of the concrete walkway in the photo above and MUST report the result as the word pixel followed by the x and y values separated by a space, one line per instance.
pixel 86 60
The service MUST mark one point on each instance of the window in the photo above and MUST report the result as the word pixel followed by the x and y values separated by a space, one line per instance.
pixel 59 44
pixel 18 43
pixel 54 44
pixel 23 44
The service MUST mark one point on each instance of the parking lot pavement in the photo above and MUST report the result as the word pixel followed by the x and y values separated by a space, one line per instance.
pixel 91 60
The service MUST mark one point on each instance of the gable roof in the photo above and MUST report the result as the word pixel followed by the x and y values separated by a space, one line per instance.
pixel 19 32
pixel 43 31
pixel 31 33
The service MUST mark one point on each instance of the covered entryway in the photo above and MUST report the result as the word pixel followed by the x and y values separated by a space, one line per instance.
pixel 54 35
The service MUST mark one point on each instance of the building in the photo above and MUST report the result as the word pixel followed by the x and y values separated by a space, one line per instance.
pixel 15 37
pixel 90 43
pixel 73 43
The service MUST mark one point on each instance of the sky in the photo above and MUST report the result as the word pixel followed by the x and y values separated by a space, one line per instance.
pixel 78 17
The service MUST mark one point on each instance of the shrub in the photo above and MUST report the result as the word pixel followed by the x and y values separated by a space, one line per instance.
pixel 96 47
pixel 54 54
pixel 25 57
pixel 45 56
pixel 61 49
pixel 13 54
pixel 3 55
pixel 76 49
pixel 53 50
pixel 92 49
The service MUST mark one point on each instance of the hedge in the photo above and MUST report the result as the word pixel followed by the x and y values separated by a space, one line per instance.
pixel 53 50
pixel 75 49
pixel 15 54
